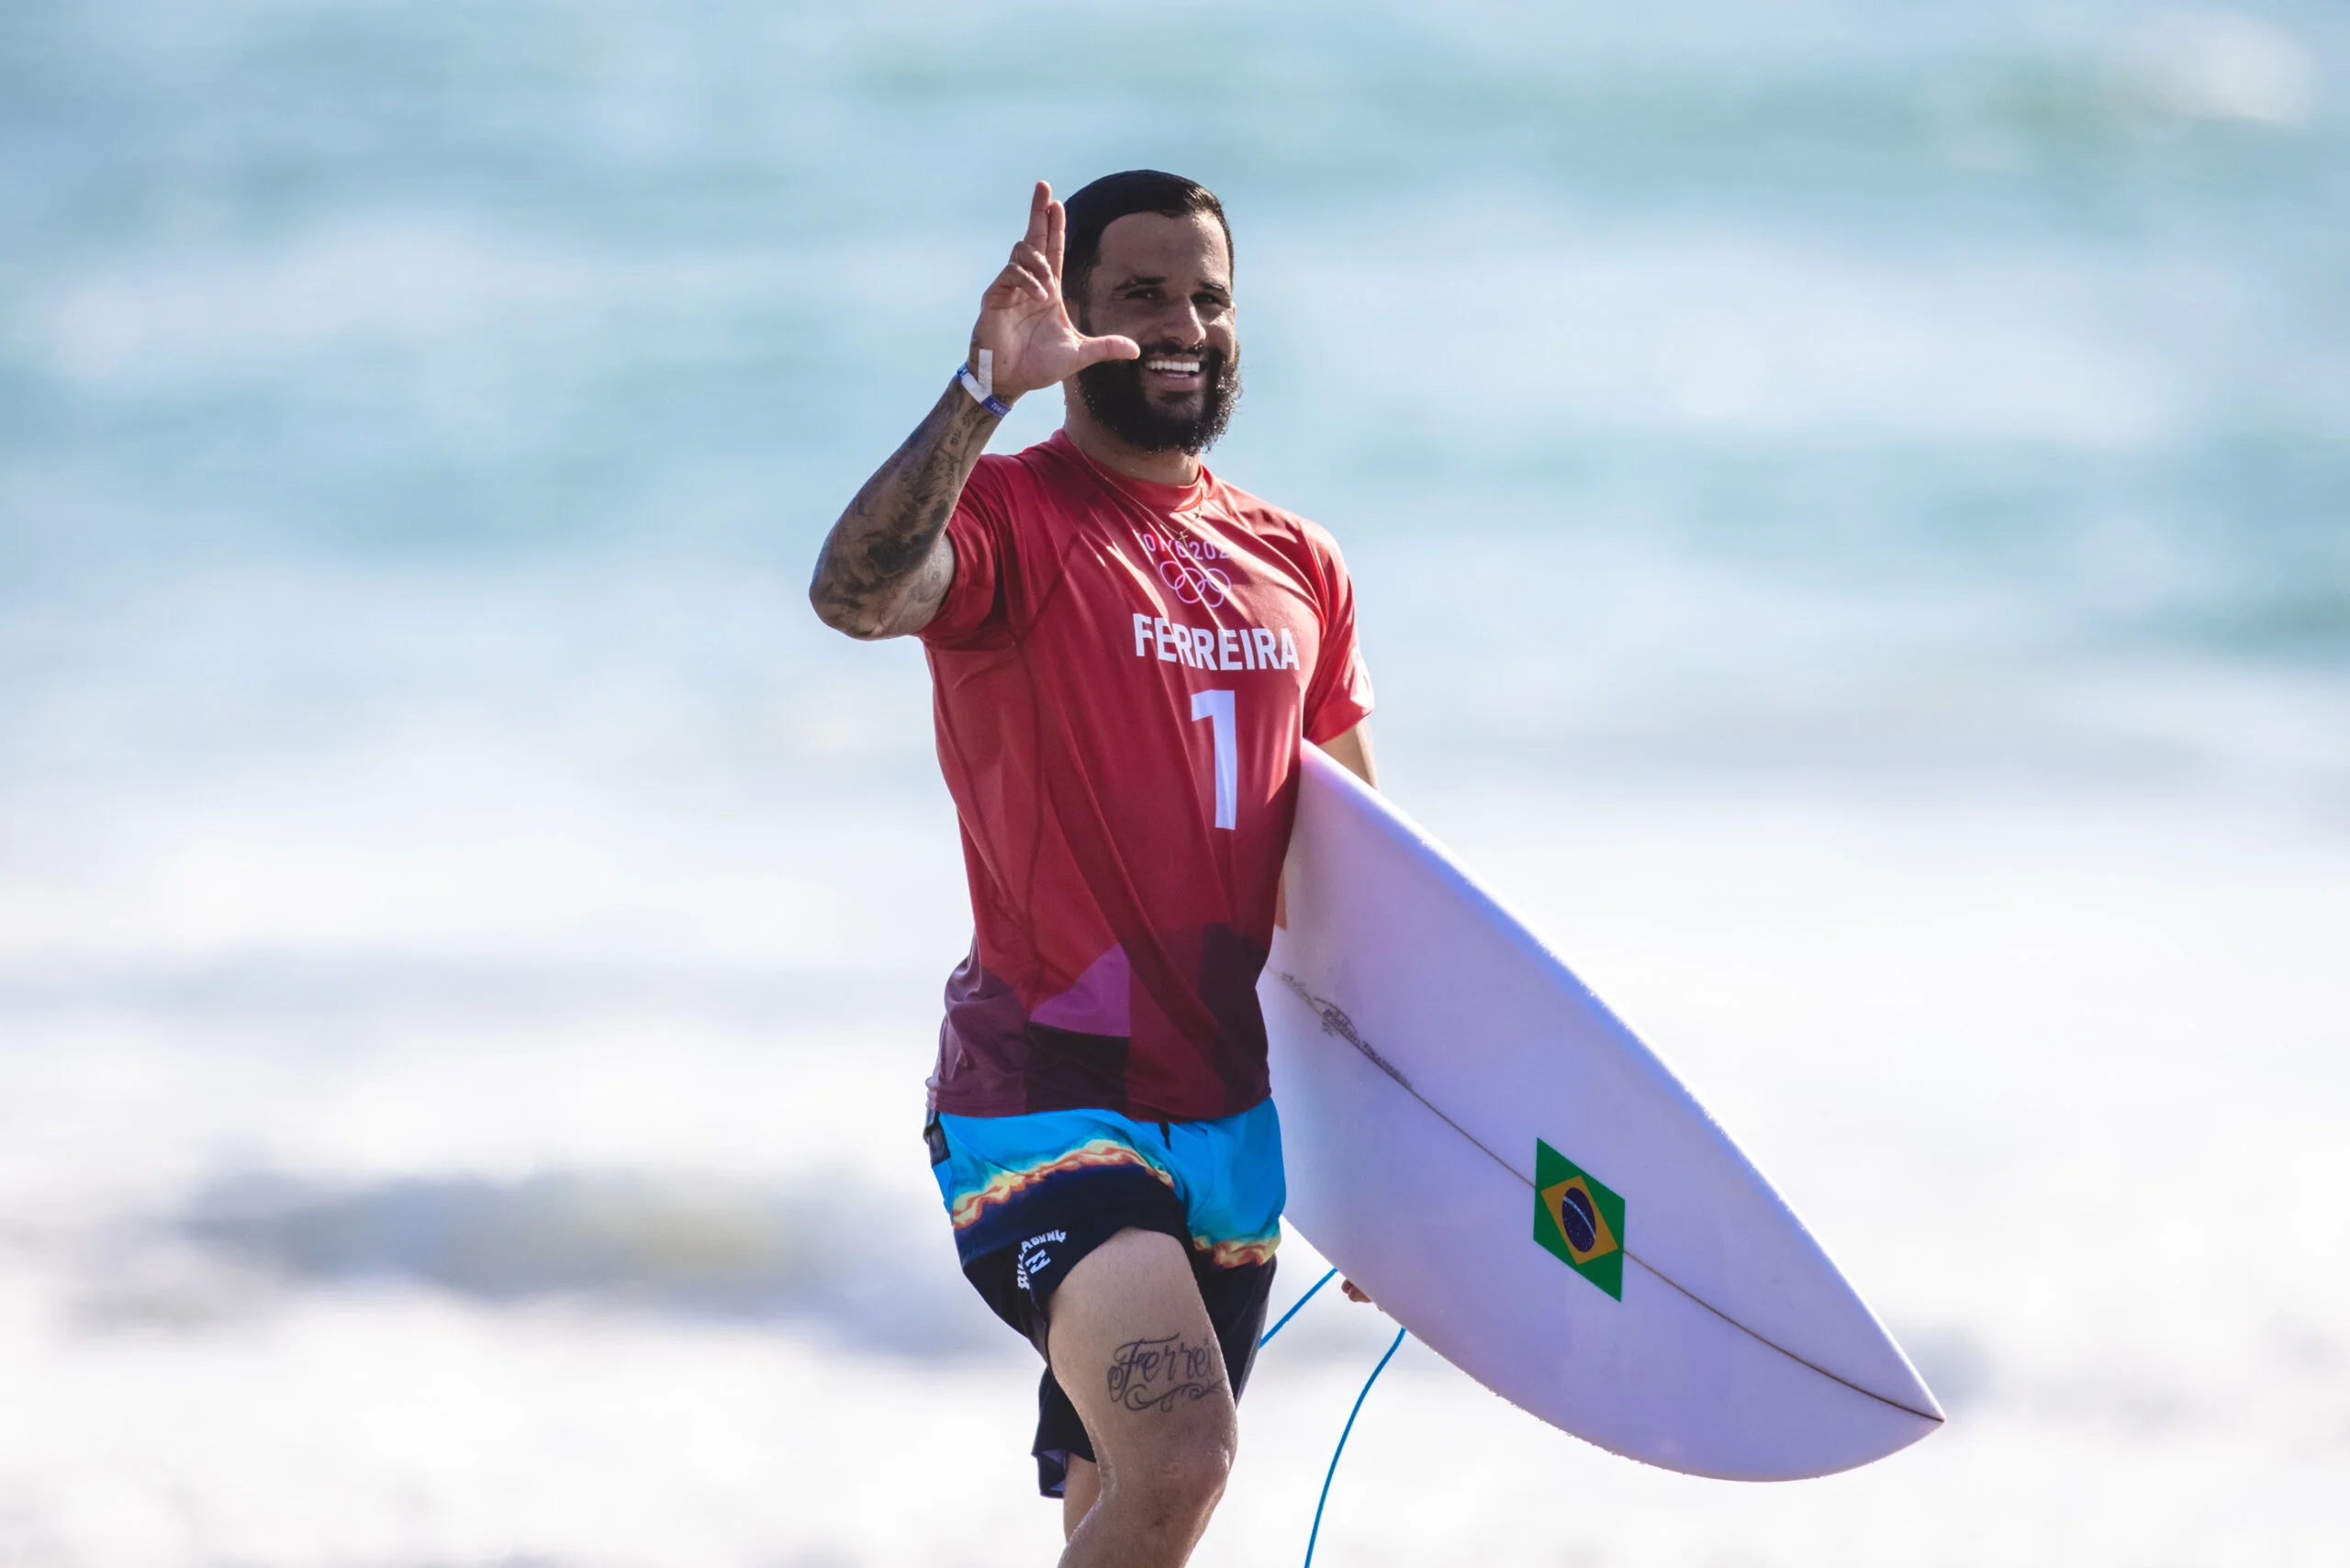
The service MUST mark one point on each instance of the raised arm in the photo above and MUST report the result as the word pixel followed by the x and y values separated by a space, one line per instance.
pixel 886 565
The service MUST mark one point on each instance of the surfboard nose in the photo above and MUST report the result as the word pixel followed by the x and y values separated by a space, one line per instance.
pixel 1916 1394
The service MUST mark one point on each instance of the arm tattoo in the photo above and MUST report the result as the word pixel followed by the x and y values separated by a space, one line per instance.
pixel 1157 1374
pixel 881 559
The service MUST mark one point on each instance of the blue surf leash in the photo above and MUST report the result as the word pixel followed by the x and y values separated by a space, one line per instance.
pixel 1294 1307
pixel 1347 1430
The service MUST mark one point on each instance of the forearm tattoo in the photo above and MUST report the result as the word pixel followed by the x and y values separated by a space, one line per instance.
pixel 871 560
pixel 1158 1375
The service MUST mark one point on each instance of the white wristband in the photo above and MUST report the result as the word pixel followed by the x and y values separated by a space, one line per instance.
pixel 982 386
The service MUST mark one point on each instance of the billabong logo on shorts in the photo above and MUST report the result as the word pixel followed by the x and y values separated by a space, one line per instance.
pixel 1579 1219
pixel 1035 1256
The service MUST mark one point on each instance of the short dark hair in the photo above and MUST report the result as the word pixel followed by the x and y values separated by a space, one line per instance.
pixel 1113 196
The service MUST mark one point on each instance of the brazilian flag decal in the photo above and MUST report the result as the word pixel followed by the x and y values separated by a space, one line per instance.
pixel 1578 1220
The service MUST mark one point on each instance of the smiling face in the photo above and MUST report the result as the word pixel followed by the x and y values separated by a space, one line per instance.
pixel 1167 283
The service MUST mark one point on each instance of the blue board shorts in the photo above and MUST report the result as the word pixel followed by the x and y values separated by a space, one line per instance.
pixel 1029 1196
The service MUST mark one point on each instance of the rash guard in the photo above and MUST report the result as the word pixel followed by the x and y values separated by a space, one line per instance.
pixel 1121 674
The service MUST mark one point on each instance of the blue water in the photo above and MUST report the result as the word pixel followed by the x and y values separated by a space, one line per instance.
pixel 2045 317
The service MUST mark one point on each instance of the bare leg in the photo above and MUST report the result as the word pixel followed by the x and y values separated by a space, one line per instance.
pixel 1135 1351
pixel 1084 1484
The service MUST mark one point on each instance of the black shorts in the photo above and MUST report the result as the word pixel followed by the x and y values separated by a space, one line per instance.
pixel 1031 1195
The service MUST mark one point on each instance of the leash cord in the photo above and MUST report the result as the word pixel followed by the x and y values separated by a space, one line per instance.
pixel 1294 1308
pixel 1343 1435
pixel 1322 1502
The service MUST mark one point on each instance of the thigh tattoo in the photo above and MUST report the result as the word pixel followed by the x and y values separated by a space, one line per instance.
pixel 1157 1375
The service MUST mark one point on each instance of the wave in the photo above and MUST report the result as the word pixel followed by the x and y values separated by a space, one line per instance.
pixel 846 1262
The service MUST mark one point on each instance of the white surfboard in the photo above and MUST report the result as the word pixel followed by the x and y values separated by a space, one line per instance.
pixel 1476 1141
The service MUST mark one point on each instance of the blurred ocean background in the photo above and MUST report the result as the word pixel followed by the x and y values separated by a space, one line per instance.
pixel 1850 505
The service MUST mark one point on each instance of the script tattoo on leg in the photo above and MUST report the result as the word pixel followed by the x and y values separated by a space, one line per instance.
pixel 1157 1375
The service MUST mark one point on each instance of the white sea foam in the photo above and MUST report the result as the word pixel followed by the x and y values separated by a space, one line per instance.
pixel 2044 1082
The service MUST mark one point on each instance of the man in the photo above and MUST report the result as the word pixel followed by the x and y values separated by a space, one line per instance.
pixel 1126 653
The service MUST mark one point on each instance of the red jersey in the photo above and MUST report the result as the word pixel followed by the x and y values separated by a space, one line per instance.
pixel 1122 671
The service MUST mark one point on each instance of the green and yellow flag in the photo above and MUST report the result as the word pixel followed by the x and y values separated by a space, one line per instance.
pixel 1579 1219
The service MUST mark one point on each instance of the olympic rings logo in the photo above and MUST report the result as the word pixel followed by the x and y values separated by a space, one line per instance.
pixel 1194 584
pixel 1187 572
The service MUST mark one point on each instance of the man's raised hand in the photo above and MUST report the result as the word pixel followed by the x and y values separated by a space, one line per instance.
pixel 1022 322
pixel 886 565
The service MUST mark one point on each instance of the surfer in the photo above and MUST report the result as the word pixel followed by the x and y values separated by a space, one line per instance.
pixel 1124 652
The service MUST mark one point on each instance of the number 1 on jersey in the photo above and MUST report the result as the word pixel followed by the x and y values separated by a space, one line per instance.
pixel 1216 708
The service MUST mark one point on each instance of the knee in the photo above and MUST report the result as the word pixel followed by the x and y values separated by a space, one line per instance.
pixel 1180 1482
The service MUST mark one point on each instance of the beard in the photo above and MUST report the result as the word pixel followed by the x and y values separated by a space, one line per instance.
pixel 1113 394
